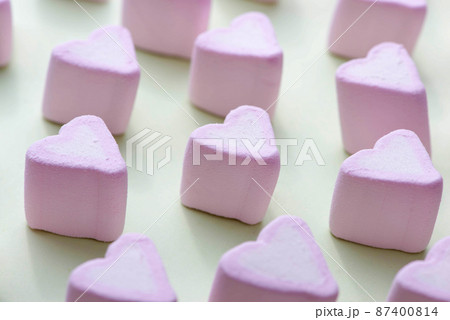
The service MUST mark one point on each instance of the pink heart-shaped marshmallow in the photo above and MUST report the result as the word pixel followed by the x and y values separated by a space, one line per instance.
pixel 238 181
pixel 425 281
pixel 76 182
pixel 389 196
pixel 98 76
pixel 235 66
pixel 131 271
pixel 284 264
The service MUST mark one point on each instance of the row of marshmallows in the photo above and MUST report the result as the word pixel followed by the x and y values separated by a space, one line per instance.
pixel 383 92
pixel 398 161
pixel 402 23
pixel 387 197
pixel 230 67
pixel 242 65
pixel 283 264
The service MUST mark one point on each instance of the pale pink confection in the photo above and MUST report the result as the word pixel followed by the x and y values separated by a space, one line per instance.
pixel 266 1
pixel 231 169
pixel 284 264
pixel 76 182
pixel 99 76
pixel 358 25
pixel 388 197
pixel 425 281
pixel 380 94
pixel 167 27
pixel 132 271
pixel 235 66
pixel 5 32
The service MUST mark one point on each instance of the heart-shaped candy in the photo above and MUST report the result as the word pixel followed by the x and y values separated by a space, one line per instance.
pixel 231 169
pixel 166 27
pixel 98 76
pixel 284 264
pixel 239 65
pixel 380 94
pixel 387 66
pixel 389 196
pixel 132 270
pixel 425 281
pixel 76 182
pixel 358 25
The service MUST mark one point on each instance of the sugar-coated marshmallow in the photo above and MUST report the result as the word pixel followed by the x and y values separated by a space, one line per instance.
pixel 231 169
pixel 358 25
pixel 388 197
pixel 99 77
pixel 5 32
pixel 76 182
pixel 132 271
pixel 284 264
pixel 235 66
pixel 380 94
pixel 425 281
pixel 166 26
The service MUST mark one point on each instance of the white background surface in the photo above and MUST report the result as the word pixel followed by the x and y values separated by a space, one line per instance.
pixel 34 266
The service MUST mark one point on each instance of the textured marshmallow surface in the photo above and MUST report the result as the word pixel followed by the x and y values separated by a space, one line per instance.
pixel 166 26
pixel 425 281
pixel 98 76
pixel 225 187
pixel 284 264
pixel 239 65
pixel 375 22
pixel 76 182
pixel 388 197
pixel 131 271
pixel 387 66
pixel 380 94
pixel 5 32
pixel 251 34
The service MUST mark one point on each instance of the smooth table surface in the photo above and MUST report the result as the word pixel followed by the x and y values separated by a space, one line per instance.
pixel 35 265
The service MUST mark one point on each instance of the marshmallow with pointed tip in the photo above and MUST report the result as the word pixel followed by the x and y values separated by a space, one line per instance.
pixel 231 169
pixel 5 32
pixel 134 273
pixel 388 197
pixel 98 77
pixel 358 25
pixel 284 264
pixel 424 281
pixel 380 94
pixel 167 27
pixel 235 66
pixel 76 182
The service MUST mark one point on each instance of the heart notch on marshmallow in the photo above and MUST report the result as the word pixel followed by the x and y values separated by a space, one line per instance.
pixel 424 281
pixel 235 66
pixel 284 264
pixel 380 94
pixel 388 197
pixel 99 76
pixel 231 169
pixel 132 271
pixel 76 182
